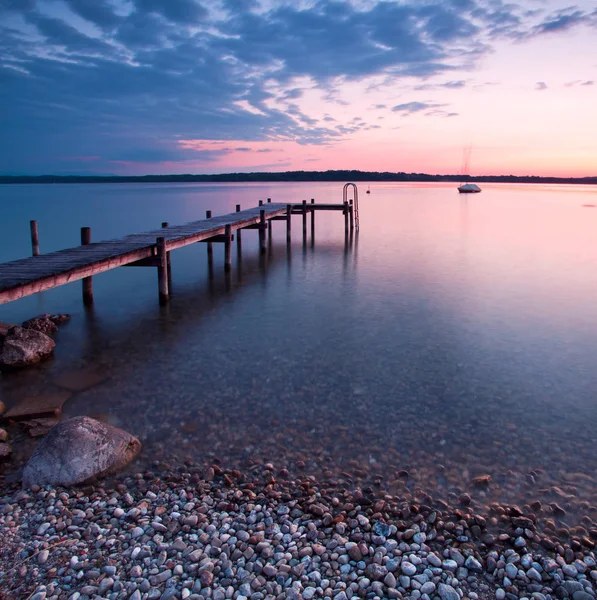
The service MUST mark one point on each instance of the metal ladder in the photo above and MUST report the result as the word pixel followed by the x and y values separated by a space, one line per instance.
pixel 355 201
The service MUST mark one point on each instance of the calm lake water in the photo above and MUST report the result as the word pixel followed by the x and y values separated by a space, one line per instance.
pixel 453 336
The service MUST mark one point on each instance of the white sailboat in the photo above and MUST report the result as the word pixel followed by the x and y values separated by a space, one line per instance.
pixel 467 188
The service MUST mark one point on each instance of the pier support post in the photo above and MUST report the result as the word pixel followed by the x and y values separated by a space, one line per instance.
pixel 351 216
pixel 262 244
pixel 304 221
pixel 345 211
pixel 228 249
pixel 288 222
pixel 165 225
pixel 210 247
pixel 312 220
pixel 34 238
pixel 87 282
pixel 162 270
pixel 239 243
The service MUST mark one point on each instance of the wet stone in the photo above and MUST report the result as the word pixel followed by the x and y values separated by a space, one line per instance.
pixel 38 405
pixel 376 572
pixel 381 529
pixel 450 565
pixel 79 380
pixel 447 592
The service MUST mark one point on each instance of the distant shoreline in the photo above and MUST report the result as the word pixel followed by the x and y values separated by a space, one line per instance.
pixel 292 176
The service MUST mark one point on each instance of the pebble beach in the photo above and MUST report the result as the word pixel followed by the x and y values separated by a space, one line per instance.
pixel 204 532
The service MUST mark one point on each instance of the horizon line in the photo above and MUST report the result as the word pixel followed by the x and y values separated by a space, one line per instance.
pixel 329 174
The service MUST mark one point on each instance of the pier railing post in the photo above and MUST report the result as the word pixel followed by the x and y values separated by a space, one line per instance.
pixel 162 270
pixel 288 222
pixel 262 242
pixel 239 243
pixel 87 282
pixel 228 249
pixel 165 225
pixel 34 238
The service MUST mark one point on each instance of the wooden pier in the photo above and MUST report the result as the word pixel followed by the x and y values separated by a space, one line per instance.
pixel 42 272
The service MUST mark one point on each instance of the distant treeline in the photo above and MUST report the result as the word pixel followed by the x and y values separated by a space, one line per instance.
pixel 290 176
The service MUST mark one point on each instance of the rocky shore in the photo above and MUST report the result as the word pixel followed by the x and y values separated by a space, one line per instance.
pixel 203 532
pixel 283 488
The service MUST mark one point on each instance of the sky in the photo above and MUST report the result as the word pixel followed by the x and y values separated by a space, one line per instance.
pixel 132 87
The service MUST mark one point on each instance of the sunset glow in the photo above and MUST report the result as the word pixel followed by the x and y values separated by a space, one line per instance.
pixel 176 86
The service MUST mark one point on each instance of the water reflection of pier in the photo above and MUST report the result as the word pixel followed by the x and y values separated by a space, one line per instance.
pixel 193 303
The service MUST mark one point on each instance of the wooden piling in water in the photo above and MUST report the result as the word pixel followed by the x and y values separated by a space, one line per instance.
pixel 312 220
pixel 345 211
pixel 262 227
pixel 304 220
pixel 163 283
pixel 165 225
pixel 34 238
pixel 228 249
pixel 162 270
pixel 239 243
pixel 288 222
pixel 87 282
pixel 210 247
pixel 351 215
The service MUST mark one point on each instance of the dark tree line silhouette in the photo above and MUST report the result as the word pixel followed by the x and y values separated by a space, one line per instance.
pixel 291 176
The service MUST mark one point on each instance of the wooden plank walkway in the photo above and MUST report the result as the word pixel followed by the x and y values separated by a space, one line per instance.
pixel 35 274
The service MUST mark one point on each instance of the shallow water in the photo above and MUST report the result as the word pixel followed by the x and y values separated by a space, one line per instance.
pixel 453 336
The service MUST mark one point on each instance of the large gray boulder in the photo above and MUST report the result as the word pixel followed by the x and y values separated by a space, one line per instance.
pixel 77 450
pixel 21 347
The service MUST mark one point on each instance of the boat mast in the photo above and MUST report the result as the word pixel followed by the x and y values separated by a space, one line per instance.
pixel 466 160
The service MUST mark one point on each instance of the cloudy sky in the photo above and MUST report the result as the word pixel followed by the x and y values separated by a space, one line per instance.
pixel 212 86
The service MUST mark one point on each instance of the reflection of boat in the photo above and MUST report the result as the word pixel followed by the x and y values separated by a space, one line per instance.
pixel 368 190
pixel 469 188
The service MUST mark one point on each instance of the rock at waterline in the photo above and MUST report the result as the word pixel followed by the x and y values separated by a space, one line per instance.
pixel 49 404
pixel 39 427
pixel 77 450
pixel 22 347
pixel 46 323
pixel 4 327
pixel 81 379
